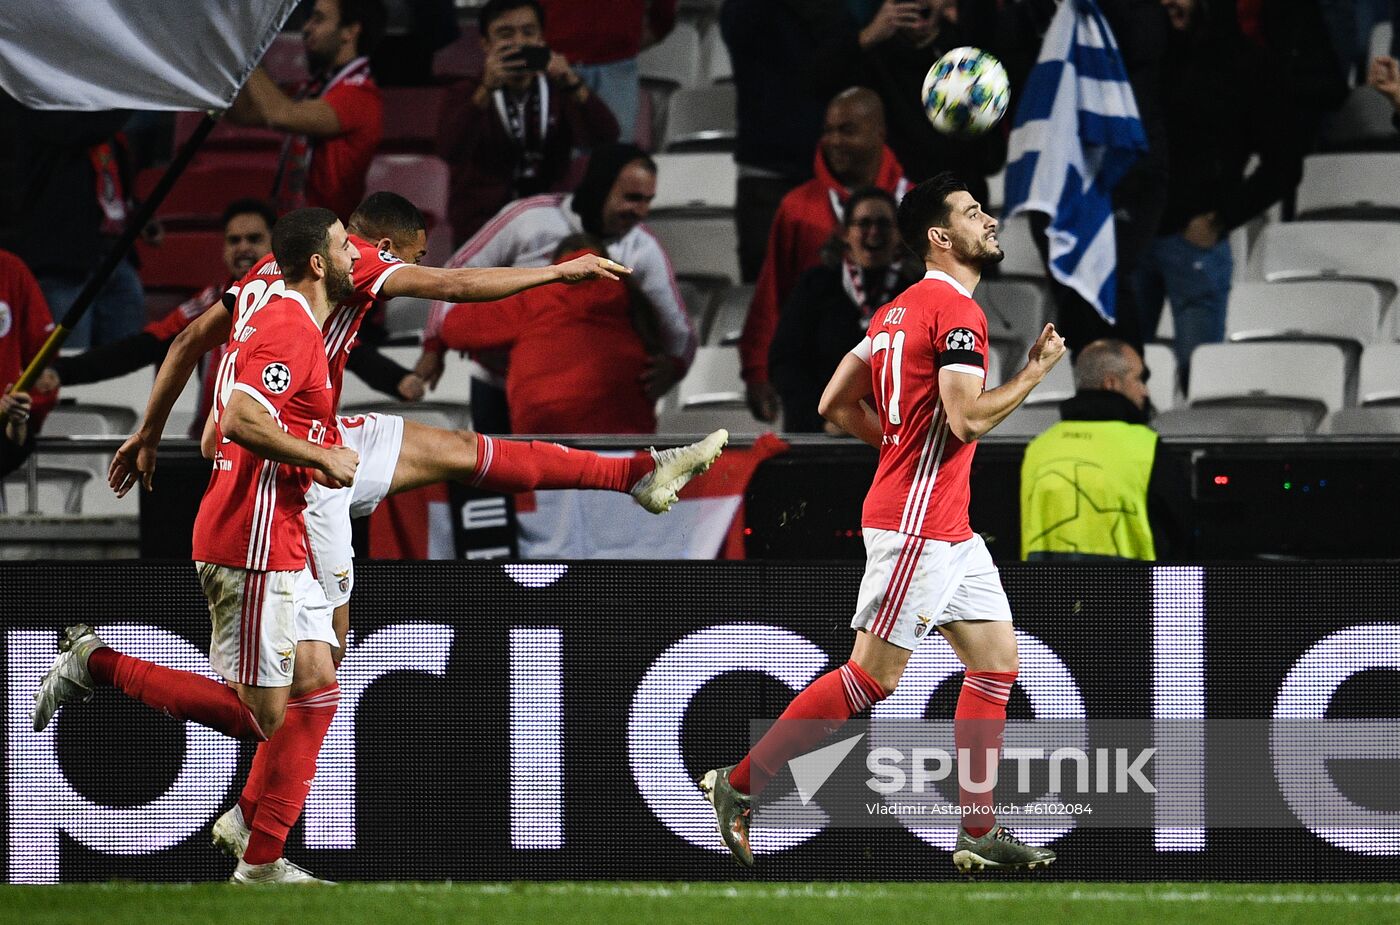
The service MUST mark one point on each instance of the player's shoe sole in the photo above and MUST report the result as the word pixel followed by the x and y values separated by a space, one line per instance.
pixel 68 679
pixel 280 871
pixel 230 833
pixel 732 812
pixel 658 489
pixel 998 849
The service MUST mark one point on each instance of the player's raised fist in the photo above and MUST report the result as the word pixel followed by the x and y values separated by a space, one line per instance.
pixel 590 266
pixel 337 468
pixel 1048 348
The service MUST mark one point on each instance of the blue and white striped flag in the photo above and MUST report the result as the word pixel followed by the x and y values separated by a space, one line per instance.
pixel 1076 133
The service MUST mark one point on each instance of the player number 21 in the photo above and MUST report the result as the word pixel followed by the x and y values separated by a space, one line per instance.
pixel 889 390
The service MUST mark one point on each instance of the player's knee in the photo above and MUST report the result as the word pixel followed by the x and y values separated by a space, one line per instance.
pixel 269 717
pixel 888 679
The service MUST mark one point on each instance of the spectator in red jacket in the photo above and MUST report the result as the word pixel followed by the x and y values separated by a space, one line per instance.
pixel 852 153
pixel 25 324
pixel 579 357
pixel 606 57
pixel 334 120
pixel 511 133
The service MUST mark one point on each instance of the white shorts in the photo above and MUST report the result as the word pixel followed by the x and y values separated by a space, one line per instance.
pixel 378 439
pixel 257 619
pixel 912 585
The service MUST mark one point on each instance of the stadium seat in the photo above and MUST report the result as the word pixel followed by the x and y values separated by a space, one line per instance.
pixel 995 371
pixel 405 318
pixel 1055 387
pixel 60 491
pixel 700 180
pixel 730 314
pixel 1161 363
pixel 1271 375
pixel 226 136
pixel 463 57
pixel 411 119
pixel 423 180
pixel 700 294
pixel 1359 187
pixel 718 67
pixel 1027 421
pixel 733 417
pixel 121 400
pixel 675 60
pixel 1228 421
pixel 186 259
pixel 1363 123
pixel 698 245
pixel 701 119
pixel 1022 259
pixel 1016 310
pixel 713 379
pixel 1334 310
pixel 1380 375
pixel 1288 251
pixel 1376 421
pixel 72 421
pixel 201 193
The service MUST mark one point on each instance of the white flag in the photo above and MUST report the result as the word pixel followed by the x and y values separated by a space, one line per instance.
pixel 133 54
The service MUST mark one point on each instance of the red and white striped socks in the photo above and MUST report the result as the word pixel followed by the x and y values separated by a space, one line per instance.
pixel 825 705
pixel 515 466
pixel 978 724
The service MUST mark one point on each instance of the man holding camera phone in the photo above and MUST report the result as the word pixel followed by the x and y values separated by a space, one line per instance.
pixel 511 133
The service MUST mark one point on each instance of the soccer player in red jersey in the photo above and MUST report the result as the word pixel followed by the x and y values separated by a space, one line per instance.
pixel 395 454
pixel 922 368
pixel 275 431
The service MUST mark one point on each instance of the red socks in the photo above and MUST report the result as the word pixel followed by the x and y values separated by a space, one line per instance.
pixel 181 694
pixel 832 699
pixel 978 725
pixel 288 768
pixel 514 466
pixel 256 783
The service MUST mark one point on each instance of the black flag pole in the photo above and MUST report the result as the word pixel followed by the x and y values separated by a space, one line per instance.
pixel 144 213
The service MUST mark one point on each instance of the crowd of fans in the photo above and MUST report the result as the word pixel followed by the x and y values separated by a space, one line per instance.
pixel 1232 94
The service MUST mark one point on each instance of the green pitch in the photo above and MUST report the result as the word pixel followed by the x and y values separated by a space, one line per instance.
pixel 704 904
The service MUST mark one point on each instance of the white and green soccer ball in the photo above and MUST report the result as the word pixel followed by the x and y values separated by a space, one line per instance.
pixel 966 92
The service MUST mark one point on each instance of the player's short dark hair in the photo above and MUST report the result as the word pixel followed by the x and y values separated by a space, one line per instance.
pixel 298 236
pixel 495 9
pixel 370 16
pixel 580 241
pixel 386 215
pixel 924 207
pixel 248 205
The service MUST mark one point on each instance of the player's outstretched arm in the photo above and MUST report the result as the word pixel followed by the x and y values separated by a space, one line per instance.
pixel 136 457
pixel 487 284
pixel 247 423
pixel 973 412
pixel 843 401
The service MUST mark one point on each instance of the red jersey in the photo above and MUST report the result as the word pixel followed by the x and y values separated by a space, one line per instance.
pixel 250 516
pixel 264 283
pixel 576 362
pixel 168 328
pixel 331 172
pixel 921 484
pixel 25 323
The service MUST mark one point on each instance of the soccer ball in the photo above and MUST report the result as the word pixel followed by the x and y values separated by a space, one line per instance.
pixel 965 92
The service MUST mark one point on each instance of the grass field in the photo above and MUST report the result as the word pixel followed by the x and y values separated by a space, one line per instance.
pixel 709 903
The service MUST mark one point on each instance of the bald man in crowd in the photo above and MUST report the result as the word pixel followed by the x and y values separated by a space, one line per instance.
pixel 851 153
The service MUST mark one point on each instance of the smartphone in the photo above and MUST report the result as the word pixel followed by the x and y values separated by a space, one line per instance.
pixel 531 57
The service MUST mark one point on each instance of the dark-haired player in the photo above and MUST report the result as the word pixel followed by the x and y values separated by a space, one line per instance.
pixel 922 365
pixel 274 428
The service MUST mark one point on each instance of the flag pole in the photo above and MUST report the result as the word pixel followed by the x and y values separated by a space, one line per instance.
pixel 118 252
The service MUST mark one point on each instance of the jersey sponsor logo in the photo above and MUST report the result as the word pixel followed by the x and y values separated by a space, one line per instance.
pixel 277 377
pixel 388 257
pixel 7 318
pixel 961 339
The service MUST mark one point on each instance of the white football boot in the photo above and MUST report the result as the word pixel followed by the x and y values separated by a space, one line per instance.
pixel 278 871
pixel 68 680
pixel 230 834
pixel 657 490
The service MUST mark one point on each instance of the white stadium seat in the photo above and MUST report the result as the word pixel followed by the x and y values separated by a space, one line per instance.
pixel 1357 186
pixel 1055 387
pixel 696 180
pixel 1228 421
pixel 1022 259
pixel 731 311
pixel 1340 310
pixel 1271 374
pixel 1161 362
pixel 1380 375
pixel 718 67
pixel 702 119
pixel 675 59
pixel 1027 421
pixel 1287 251
pixel 1360 422
pixel 698 245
